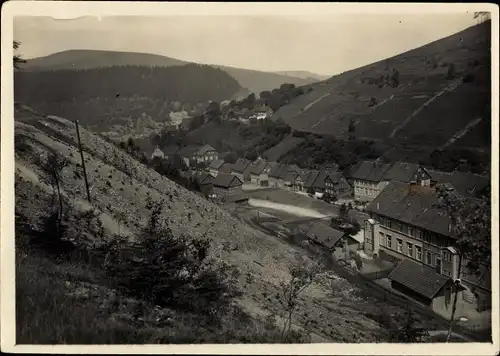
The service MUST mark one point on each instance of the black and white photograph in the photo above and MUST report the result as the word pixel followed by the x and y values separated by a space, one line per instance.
pixel 237 176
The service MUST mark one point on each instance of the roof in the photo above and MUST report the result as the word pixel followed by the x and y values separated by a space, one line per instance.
pixel 224 180
pixel 258 166
pixel 241 164
pixel 324 234
pixel 401 172
pixel 311 178
pixel 203 177
pixel 290 176
pixel 370 170
pixel 189 150
pixel 416 207
pixel 279 171
pixel 466 184
pixel 225 168
pixel 419 278
pixel 336 177
pixel 216 164
pixel 204 149
pixel 235 198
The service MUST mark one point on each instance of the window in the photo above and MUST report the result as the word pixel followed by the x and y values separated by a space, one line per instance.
pixel 382 221
pixel 400 245
pixel 420 235
pixel 389 241
pixel 418 253
pixel 445 255
pixel 428 258
pixel 410 249
pixel 438 264
pixel 382 238
pixel 426 236
pixel 404 228
pixel 389 223
pixel 411 231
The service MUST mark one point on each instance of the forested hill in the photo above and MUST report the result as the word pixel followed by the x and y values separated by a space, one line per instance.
pixel 253 80
pixel 128 91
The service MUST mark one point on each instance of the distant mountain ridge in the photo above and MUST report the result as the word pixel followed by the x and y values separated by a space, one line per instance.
pixel 253 80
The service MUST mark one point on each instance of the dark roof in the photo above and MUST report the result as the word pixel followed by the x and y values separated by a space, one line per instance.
pixel 224 180
pixel 188 150
pixel 203 177
pixel 416 207
pixel 290 176
pixel 235 198
pixel 370 170
pixel 216 164
pixel 279 171
pixel 241 164
pixel 258 166
pixel 324 234
pixel 465 184
pixel 204 149
pixel 226 168
pixel 419 278
pixel 311 178
pixel 336 177
pixel 401 172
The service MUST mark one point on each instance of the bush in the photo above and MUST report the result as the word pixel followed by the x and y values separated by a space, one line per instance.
pixel 168 270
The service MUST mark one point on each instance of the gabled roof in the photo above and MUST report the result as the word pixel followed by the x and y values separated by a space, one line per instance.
pixel 279 171
pixel 188 150
pixel 311 178
pixel 324 234
pixel 204 149
pixel 465 184
pixel 225 180
pixel 370 170
pixel 417 207
pixel 258 166
pixel 203 177
pixel 216 164
pixel 226 168
pixel 291 176
pixel 335 177
pixel 419 278
pixel 241 164
pixel 402 172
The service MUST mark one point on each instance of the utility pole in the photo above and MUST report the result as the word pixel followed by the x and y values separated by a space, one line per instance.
pixel 83 160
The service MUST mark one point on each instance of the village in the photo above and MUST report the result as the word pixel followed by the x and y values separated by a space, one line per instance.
pixel 402 241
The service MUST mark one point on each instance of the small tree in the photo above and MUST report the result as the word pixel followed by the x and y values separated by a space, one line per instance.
pixel 231 157
pixel 451 72
pixel 302 276
pixel 407 331
pixel 17 57
pixel 471 226
pixel 53 166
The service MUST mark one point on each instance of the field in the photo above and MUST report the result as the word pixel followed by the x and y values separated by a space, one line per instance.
pixel 422 73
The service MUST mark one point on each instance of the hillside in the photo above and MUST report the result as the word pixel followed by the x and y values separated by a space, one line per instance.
pixel 255 81
pixel 330 309
pixel 434 96
pixel 103 97
pixel 304 75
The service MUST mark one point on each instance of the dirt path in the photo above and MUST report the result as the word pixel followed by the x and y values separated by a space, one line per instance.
pixel 462 132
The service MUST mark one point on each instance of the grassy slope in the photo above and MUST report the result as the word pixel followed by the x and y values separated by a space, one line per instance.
pixel 332 103
pixel 255 81
pixel 40 279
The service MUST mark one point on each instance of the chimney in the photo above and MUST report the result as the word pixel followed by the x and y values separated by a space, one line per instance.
pixel 378 205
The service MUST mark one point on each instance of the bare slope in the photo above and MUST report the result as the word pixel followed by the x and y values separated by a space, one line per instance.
pixel 330 309
pixel 407 105
pixel 255 81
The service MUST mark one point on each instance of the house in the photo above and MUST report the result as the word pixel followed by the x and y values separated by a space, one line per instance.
pixel 259 172
pixel 289 179
pixel 337 185
pixel 239 168
pixel 226 168
pixel 468 185
pixel 277 174
pixel 226 184
pixel 405 224
pixel 196 155
pixel 406 173
pixel 157 153
pixel 214 166
pixel 185 124
pixel 324 235
pixel 368 179
pixel 169 151
pixel 309 182
pixel 204 181
pixel 300 180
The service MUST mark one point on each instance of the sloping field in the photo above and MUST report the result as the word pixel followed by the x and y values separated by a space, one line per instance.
pixel 289 143
pixel 422 73
pixel 120 188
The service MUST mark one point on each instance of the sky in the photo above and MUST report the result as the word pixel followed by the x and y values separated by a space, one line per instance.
pixel 326 45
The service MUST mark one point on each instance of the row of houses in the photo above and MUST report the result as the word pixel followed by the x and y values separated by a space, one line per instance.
pixel 369 178
pixel 289 177
pixel 192 155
